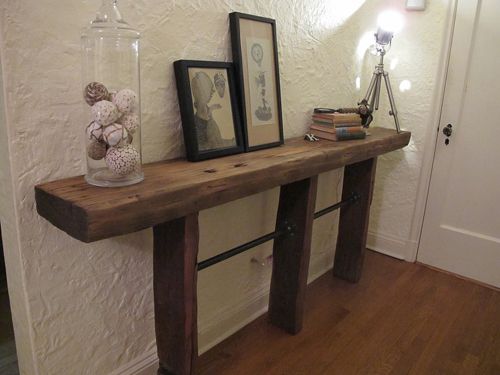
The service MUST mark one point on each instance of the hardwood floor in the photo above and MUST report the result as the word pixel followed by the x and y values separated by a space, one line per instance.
pixel 401 318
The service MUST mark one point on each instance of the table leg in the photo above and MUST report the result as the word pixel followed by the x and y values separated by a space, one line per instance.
pixel 353 225
pixel 175 274
pixel 291 254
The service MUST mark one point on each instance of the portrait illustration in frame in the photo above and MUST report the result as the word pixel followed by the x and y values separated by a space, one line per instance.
pixel 209 110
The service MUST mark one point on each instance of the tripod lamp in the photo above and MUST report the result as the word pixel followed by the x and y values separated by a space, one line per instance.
pixel 389 22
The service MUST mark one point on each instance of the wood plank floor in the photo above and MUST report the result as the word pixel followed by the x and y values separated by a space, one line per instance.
pixel 401 318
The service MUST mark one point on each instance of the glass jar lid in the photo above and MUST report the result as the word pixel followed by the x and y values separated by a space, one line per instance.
pixel 109 16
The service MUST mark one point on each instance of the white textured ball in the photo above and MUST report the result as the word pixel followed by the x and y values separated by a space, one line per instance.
pixel 115 135
pixel 125 100
pixel 130 121
pixel 94 131
pixel 122 160
pixel 105 112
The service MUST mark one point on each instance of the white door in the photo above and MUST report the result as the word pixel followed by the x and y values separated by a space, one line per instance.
pixel 461 231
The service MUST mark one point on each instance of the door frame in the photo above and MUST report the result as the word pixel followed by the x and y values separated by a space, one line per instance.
pixel 431 136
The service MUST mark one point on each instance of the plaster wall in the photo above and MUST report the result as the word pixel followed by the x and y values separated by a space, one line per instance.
pixel 10 240
pixel 88 308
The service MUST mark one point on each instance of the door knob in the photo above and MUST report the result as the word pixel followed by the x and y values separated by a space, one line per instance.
pixel 447 130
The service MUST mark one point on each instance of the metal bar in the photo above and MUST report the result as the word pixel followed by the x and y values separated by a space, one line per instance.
pixel 289 229
pixel 237 250
pixel 353 198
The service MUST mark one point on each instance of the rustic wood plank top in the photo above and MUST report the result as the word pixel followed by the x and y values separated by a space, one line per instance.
pixel 175 188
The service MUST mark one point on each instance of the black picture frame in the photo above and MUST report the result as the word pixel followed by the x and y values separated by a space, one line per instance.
pixel 253 140
pixel 195 129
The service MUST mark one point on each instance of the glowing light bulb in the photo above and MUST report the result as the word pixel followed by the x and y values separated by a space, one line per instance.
pixel 390 21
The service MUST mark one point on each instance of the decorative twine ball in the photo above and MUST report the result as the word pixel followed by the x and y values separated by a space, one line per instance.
pixel 94 131
pixel 96 150
pixel 105 112
pixel 115 135
pixel 125 100
pixel 95 92
pixel 130 121
pixel 122 160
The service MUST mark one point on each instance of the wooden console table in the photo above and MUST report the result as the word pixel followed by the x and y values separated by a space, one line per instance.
pixel 173 193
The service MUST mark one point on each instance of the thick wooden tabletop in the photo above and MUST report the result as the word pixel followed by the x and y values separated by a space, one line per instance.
pixel 175 188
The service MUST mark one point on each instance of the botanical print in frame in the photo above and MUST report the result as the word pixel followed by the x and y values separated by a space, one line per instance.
pixel 209 110
pixel 256 61
pixel 261 82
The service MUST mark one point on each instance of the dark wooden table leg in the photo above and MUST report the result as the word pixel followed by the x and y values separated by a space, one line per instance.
pixel 175 274
pixel 291 254
pixel 353 225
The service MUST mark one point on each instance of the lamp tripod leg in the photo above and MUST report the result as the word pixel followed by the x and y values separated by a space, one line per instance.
pixel 393 112
pixel 372 97
pixel 377 91
pixel 368 95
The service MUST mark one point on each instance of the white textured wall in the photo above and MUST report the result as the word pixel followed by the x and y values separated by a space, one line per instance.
pixel 417 51
pixel 88 309
pixel 10 239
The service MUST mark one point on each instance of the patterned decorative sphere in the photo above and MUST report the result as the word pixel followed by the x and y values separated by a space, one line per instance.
pixel 94 131
pixel 95 92
pixel 105 113
pixel 115 135
pixel 122 160
pixel 125 100
pixel 96 150
pixel 130 121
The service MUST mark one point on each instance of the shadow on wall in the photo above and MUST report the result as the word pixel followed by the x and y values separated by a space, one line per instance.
pixel 3 276
pixel 396 160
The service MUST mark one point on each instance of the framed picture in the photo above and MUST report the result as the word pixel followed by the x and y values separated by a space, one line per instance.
pixel 209 109
pixel 255 56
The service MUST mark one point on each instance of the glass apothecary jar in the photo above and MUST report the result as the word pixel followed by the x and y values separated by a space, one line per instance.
pixel 111 93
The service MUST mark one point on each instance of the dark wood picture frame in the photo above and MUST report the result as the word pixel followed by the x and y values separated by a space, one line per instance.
pixel 253 140
pixel 189 118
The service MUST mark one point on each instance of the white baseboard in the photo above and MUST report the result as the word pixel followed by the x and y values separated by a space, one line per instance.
pixel 147 364
pixel 388 245
pixel 411 252
pixel 227 322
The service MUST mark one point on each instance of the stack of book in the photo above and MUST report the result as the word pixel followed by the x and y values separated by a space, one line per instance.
pixel 337 126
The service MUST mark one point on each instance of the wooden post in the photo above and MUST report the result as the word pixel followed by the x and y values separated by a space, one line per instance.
pixel 175 274
pixel 353 225
pixel 291 254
